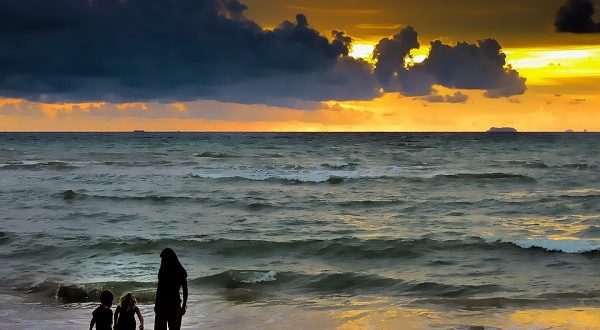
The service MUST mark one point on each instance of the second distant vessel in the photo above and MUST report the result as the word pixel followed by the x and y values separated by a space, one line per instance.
pixel 501 130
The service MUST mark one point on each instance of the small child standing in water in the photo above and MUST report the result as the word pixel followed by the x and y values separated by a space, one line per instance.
pixel 124 313
pixel 102 316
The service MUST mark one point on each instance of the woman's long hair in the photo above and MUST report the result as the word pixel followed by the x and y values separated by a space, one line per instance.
pixel 170 267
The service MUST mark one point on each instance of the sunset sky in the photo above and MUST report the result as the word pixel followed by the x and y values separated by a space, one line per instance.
pixel 299 65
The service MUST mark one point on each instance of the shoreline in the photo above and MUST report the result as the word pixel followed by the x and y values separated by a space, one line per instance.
pixel 212 312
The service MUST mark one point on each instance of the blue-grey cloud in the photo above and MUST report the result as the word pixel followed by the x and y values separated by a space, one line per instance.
pixel 576 16
pixel 462 66
pixel 74 50
pixel 184 50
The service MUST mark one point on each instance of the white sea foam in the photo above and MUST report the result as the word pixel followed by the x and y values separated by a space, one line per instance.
pixel 309 174
pixel 259 277
pixel 561 245
pixel 42 162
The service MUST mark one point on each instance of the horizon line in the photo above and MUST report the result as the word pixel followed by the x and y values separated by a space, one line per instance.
pixel 308 132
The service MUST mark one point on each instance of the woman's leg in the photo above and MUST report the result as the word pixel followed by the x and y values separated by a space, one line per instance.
pixel 160 322
pixel 175 322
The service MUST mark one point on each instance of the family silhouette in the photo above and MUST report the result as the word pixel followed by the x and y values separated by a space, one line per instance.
pixel 168 305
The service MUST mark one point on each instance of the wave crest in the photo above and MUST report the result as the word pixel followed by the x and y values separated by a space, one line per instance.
pixel 213 154
pixel 562 245
pixel 70 194
pixel 487 176
pixel 38 166
pixel 262 280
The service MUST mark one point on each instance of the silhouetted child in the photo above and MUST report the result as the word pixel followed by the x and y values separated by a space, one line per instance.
pixel 125 313
pixel 102 316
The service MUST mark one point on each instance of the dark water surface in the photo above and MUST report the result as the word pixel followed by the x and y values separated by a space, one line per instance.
pixel 459 220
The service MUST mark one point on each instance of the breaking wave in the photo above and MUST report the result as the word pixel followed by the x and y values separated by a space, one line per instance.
pixel 487 176
pixel 263 280
pixel 27 165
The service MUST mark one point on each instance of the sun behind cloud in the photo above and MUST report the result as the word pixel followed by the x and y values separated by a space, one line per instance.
pixel 362 50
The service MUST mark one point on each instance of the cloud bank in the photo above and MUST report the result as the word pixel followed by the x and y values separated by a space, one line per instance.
pixel 184 50
pixel 462 66
pixel 576 16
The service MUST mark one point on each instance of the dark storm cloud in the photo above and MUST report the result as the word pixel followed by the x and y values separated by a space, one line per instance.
pixel 169 50
pixel 463 66
pixel 183 50
pixel 576 16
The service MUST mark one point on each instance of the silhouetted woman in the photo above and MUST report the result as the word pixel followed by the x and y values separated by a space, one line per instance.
pixel 171 277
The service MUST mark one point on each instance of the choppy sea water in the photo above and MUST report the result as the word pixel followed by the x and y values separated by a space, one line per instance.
pixel 456 221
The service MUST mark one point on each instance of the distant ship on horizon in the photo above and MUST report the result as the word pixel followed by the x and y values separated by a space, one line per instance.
pixel 138 131
pixel 501 130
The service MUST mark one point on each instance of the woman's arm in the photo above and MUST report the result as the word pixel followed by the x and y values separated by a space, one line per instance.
pixel 139 314
pixel 185 296
pixel 92 322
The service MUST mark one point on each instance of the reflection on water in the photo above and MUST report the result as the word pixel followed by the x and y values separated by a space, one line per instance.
pixel 377 316
pixel 568 318
pixel 209 312
pixel 383 318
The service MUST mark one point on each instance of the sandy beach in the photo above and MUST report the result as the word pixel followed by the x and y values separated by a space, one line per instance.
pixel 211 312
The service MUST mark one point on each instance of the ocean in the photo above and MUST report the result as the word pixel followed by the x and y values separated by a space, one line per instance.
pixel 447 230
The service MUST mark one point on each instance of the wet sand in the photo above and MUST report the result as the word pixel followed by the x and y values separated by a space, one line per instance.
pixel 17 313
